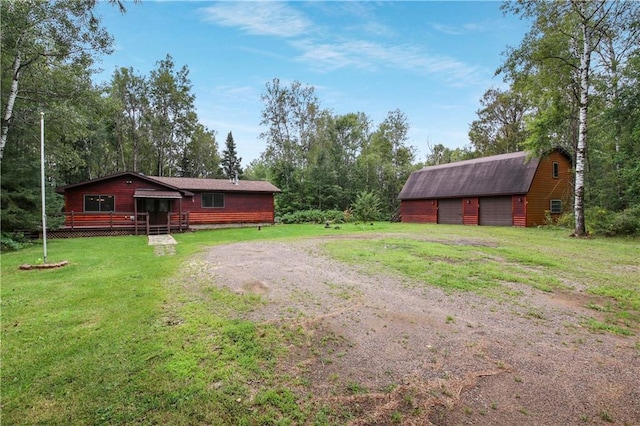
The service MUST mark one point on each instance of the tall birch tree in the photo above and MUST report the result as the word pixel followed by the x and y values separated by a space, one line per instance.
pixel 38 36
pixel 564 36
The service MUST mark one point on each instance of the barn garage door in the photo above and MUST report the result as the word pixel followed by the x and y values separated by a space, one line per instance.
pixel 496 211
pixel 450 211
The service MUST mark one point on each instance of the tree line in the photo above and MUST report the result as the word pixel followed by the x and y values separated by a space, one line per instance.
pixel 322 160
pixel 572 82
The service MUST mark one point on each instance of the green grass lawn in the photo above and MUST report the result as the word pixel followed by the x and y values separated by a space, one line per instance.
pixel 120 336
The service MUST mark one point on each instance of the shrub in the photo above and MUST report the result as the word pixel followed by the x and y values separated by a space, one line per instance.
pixel 598 220
pixel 366 207
pixel 626 222
pixel 313 216
pixel 13 242
pixel 566 220
pixel 335 216
pixel 604 222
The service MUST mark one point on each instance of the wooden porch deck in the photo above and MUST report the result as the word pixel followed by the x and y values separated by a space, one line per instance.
pixel 118 223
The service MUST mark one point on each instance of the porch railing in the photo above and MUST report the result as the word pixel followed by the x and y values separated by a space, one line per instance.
pixel 120 220
pixel 178 220
pixel 105 220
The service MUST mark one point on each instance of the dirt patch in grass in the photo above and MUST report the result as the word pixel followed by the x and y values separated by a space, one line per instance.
pixel 369 349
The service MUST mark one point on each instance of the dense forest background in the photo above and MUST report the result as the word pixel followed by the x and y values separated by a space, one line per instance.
pixel 573 82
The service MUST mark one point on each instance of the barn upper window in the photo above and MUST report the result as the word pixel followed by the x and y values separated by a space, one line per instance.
pixel 99 203
pixel 556 170
pixel 555 206
pixel 213 200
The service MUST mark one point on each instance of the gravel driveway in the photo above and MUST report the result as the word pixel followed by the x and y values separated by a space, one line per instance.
pixel 392 352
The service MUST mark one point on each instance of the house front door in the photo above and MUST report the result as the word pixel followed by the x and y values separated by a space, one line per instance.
pixel 157 209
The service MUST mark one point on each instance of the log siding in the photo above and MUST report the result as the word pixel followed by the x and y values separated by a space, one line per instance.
pixel 545 188
pixel 122 188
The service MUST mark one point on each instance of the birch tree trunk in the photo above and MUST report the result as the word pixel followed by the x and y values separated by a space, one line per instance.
pixel 585 63
pixel 11 99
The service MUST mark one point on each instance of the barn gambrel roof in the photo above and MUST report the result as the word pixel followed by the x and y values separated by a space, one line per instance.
pixel 504 174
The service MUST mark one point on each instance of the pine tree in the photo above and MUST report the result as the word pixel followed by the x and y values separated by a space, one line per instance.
pixel 230 160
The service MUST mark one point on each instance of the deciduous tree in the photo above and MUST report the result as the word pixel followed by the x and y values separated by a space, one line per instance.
pixel 290 116
pixel 500 127
pixel 129 92
pixel 200 156
pixel 561 43
pixel 172 116
pixel 390 159
pixel 38 37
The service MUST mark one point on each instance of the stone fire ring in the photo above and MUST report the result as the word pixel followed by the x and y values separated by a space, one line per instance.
pixel 27 267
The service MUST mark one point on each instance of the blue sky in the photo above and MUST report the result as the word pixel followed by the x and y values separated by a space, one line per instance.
pixel 431 60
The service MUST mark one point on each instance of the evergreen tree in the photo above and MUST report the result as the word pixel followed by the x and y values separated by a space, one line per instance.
pixel 230 160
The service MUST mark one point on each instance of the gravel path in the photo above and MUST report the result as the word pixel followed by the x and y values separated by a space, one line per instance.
pixel 394 351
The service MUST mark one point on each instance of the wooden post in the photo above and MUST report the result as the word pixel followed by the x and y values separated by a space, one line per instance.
pixel 72 220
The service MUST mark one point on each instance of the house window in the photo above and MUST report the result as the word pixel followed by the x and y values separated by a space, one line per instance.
pixel 213 200
pixel 556 170
pixel 556 206
pixel 99 203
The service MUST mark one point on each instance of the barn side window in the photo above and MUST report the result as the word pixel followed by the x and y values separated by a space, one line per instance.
pixel 556 206
pixel 99 203
pixel 556 170
pixel 213 200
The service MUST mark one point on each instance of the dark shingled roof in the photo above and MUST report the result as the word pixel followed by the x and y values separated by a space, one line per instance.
pixel 155 193
pixel 503 174
pixel 198 184
pixel 185 185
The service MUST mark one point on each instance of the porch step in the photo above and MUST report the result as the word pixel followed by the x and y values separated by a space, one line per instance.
pixel 158 240
pixel 159 230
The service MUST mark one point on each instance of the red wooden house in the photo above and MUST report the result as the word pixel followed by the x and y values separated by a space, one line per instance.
pixel 507 190
pixel 127 202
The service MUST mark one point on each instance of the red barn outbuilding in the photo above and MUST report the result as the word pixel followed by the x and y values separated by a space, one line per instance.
pixel 130 202
pixel 504 190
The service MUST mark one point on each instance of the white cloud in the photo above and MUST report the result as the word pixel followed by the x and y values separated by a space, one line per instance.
pixel 245 93
pixel 471 27
pixel 259 18
pixel 329 56
pixel 448 29
pixel 372 56
pixel 359 17
pixel 333 51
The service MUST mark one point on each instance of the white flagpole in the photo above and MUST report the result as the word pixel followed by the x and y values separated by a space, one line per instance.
pixel 44 211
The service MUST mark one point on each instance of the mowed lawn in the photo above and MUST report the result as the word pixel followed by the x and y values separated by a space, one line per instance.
pixel 122 336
